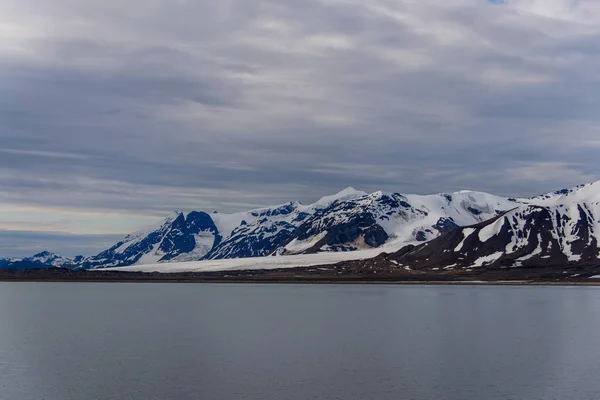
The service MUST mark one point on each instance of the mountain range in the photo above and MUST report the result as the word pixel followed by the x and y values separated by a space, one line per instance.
pixel 349 220
pixel 561 229
pixel 442 232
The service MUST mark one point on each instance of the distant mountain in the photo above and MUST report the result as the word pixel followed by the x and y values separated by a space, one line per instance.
pixel 52 259
pixel 44 259
pixel 347 221
pixel 557 229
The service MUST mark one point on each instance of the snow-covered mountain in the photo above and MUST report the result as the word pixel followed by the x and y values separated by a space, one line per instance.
pixel 198 235
pixel 52 259
pixel 44 259
pixel 556 229
pixel 391 220
pixel 349 220
pixel 462 230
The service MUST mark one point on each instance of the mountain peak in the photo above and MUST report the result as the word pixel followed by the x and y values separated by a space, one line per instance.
pixel 44 253
pixel 348 189
pixel 49 258
pixel 348 193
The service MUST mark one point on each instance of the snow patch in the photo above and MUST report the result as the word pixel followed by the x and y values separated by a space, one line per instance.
pixel 466 233
pixel 121 249
pixel 490 230
pixel 487 259
pixel 151 257
pixel 297 246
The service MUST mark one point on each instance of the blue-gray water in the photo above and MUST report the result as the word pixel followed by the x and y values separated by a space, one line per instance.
pixel 195 341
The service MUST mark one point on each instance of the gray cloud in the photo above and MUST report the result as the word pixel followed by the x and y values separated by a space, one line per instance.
pixel 112 108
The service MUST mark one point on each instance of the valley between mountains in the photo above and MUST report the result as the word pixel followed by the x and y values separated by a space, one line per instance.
pixel 442 236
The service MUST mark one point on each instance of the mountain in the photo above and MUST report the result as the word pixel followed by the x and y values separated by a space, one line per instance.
pixel 465 229
pixel 44 259
pixel 349 220
pixel 198 235
pixel 391 219
pixel 346 221
pixel 553 230
pixel 51 259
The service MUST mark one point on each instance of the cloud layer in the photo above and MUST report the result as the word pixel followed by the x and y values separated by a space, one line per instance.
pixel 113 114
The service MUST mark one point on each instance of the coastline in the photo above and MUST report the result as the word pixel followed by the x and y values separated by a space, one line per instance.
pixel 296 276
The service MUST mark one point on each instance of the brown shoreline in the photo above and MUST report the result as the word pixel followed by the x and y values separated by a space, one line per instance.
pixel 307 282
pixel 538 277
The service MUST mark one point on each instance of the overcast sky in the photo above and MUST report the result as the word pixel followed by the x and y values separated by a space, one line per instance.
pixel 116 112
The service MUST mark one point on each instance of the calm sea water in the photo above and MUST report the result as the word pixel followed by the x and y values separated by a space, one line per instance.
pixel 81 341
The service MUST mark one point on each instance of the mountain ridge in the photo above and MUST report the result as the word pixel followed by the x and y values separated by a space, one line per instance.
pixel 561 229
pixel 346 221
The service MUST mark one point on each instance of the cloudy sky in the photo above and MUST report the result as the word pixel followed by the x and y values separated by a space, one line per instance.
pixel 114 113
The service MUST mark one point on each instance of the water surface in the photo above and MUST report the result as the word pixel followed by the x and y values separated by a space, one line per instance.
pixel 74 341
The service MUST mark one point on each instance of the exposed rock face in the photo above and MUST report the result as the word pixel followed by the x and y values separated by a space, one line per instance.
pixel 552 230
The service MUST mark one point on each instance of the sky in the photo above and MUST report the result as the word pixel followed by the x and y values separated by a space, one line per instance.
pixel 113 114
